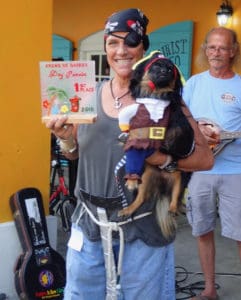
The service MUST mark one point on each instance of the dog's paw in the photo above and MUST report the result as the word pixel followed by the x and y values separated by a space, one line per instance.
pixel 173 210
pixel 172 214
pixel 132 184
pixel 125 212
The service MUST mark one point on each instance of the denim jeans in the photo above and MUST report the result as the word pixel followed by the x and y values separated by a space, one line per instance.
pixel 147 272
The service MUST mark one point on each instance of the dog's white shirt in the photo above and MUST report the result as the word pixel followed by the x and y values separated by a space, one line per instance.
pixel 155 107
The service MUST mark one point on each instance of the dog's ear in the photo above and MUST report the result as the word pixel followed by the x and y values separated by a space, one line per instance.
pixel 136 78
pixel 134 87
pixel 178 82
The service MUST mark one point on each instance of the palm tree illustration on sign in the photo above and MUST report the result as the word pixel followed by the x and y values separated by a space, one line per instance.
pixel 58 101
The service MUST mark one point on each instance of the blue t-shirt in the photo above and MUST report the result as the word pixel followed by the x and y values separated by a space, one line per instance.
pixel 219 100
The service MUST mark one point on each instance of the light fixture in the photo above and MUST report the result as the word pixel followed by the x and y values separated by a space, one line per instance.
pixel 224 13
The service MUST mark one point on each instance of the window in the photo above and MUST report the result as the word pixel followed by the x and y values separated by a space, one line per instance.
pixel 92 48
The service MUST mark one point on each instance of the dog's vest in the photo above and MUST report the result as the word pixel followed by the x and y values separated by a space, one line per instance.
pixel 146 133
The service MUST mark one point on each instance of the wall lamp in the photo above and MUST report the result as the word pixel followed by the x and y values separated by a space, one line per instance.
pixel 224 13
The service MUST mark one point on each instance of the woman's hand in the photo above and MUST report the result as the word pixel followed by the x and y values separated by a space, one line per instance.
pixel 66 133
pixel 59 128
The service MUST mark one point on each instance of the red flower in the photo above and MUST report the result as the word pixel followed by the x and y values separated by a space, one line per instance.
pixel 46 104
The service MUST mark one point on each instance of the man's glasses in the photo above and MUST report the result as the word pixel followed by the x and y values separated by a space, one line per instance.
pixel 213 49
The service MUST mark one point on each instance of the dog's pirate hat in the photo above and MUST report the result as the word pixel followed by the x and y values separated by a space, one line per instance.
pixel 151 58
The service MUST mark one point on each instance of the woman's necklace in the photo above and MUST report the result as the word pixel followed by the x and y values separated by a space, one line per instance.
pixel 117 103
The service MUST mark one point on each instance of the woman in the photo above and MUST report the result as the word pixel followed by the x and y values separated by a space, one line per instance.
pixel 148 258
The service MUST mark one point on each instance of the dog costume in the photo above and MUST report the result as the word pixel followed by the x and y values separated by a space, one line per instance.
pixel 146 121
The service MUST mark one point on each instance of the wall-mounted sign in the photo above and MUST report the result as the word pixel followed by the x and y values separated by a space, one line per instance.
pixel 175 42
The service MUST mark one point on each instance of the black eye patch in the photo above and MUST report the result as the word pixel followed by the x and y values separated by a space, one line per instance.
pixel 132 39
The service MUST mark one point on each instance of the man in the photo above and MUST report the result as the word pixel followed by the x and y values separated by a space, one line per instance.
pixel 216 96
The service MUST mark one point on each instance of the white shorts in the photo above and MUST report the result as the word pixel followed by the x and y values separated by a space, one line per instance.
pixel 208 193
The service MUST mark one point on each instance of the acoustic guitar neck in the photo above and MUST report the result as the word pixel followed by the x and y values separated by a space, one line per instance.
pixel 230 135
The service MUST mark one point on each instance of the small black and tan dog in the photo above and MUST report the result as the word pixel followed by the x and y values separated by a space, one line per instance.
pixel 156 122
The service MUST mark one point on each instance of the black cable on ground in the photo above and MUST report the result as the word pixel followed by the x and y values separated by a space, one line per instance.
pixel 190 290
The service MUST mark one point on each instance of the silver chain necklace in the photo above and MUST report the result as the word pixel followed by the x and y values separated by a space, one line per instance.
pixel 117 103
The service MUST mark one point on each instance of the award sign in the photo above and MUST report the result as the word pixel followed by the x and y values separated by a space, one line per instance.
pixel 68 88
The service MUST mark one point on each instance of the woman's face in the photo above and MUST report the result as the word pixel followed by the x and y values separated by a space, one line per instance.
pixel 120 56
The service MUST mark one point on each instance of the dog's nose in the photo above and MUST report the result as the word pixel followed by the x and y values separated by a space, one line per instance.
pixel 165 71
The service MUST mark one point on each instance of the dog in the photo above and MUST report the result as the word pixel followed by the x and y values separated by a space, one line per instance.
pixel 155 122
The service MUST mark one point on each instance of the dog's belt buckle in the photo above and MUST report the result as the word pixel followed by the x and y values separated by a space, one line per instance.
pixel 157 133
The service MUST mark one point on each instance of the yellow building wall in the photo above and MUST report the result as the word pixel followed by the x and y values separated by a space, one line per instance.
pixel 76 19
pixel 26 32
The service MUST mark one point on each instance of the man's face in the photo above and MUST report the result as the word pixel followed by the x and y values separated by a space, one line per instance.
pixel 219 50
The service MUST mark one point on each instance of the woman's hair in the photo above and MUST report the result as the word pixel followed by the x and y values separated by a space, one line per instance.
pixel 201 59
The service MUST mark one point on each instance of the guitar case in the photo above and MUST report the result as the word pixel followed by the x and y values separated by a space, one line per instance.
pixel 39 271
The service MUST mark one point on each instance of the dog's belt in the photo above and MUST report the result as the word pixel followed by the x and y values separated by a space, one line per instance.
pixel 156 133
pixel 104 202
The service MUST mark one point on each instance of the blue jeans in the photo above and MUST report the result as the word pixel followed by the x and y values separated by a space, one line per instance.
pixel 147 272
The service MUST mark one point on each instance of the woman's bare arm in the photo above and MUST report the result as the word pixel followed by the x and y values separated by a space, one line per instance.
pixel 66 133
pixel 201 158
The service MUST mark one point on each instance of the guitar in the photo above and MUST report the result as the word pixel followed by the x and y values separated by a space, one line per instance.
pixel 39 272
pixel 226 137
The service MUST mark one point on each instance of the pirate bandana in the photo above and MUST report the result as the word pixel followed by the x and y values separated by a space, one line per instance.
pixel 132 21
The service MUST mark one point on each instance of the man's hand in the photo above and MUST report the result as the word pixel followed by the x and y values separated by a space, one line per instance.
pixel 210 132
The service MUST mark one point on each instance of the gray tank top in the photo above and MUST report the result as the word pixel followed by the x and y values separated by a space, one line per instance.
pixel 99 154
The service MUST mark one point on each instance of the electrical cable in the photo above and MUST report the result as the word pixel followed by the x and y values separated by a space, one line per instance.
pixel 190 290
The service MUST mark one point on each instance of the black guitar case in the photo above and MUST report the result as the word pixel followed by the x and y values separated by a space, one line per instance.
pixel 39 272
